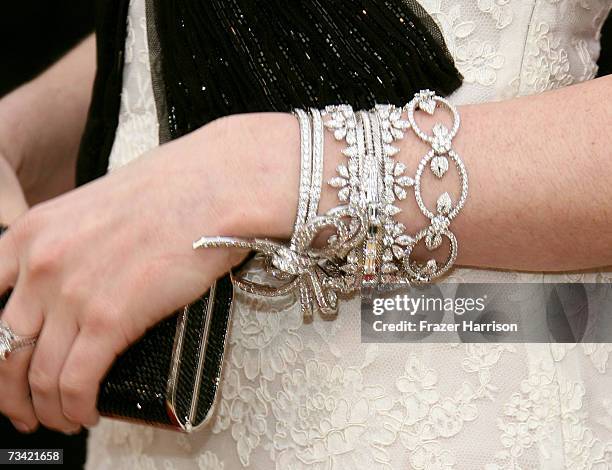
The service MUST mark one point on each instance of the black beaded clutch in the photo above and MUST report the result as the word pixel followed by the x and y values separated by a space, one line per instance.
pixel 170 377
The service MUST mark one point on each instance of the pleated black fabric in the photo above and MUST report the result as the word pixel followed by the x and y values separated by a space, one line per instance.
pixel 221 57
pixel 97 141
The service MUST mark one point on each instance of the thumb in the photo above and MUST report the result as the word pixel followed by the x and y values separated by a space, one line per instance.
pixel 12 200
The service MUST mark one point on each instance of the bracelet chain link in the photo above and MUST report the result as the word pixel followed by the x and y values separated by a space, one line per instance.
pixel 368 245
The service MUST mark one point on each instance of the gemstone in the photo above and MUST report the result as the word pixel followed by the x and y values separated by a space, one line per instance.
pixel 370 257
pixel 4 347
pixel 439 166
pixel 444 204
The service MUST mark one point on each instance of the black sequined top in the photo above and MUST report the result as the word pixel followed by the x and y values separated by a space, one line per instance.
pixel 220 57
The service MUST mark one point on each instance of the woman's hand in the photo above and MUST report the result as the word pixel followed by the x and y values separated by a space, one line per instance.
pixel 12 200
pixel 93 269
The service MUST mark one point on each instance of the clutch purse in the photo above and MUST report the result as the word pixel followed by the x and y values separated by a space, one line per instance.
pixel 170 377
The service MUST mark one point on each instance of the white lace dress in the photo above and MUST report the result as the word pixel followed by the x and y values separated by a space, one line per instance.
pixel 311 396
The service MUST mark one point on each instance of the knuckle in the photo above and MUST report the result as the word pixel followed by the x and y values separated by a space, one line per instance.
pixel 100 317
pixel 73 393
pixel 76 414
pixel 45 258
pixel 71 388
pixel 71 292
pixel 105 319
pixel 41 382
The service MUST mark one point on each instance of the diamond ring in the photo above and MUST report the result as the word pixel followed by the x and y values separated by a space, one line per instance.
pixel 10 342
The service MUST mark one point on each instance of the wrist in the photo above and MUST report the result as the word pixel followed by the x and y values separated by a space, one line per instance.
pixel 12 130
pixel 238 176
pixel 257 159
pixel 254 168
pixel 12 201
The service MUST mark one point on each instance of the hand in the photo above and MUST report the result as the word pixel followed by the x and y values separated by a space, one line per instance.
pixel 12 200
pixel 93 269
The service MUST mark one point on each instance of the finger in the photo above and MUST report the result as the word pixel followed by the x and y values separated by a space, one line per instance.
pixel 90 358
pixel 9 264
pixel 11 194
pixel 24 317
pixel 52 349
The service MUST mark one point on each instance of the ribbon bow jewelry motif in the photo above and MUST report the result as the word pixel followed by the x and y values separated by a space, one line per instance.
pixel 315 272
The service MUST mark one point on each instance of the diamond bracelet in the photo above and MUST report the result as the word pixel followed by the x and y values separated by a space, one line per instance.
pixel 368 246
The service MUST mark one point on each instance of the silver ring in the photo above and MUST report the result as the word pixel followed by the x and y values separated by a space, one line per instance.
pixel 11 342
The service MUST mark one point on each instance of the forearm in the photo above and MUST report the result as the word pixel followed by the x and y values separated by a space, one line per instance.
pixel 539 170
pixel 12 202
pixel 41 123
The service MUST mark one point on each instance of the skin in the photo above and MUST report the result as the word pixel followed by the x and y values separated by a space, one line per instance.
pixel 41 124
pixel 91 272
pixel 12 199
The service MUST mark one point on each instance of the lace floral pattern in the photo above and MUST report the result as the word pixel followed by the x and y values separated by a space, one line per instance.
pixel 301 396
pixel 138 127
pixel 479 62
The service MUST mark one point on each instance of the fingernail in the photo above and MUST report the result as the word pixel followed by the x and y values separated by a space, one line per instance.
pixel 72 432
pixel 22 427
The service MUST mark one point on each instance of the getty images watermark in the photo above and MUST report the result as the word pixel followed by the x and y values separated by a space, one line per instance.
pixel 510 312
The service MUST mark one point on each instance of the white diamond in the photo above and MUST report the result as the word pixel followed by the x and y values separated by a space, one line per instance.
pixel 384 114
pixel 4 348
pixel 444 204
pixel 349 268
pixel 337 182
pixel 388 268
pixel 428 105
pixel 398 252
pixel 400 192
pixel 439 166
pixel 441 142
pixel 351 138
pixel 404 240
pixel 439 223
pixel 390 150
pixel 349 152
pixel 343 194
pixel 392 210
pixel 405 181
pixel 397 133
pixel 433 241
pixel 343 171
pixel 339 134
pixel 402 124
pixel 430 267
pixel 334 123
